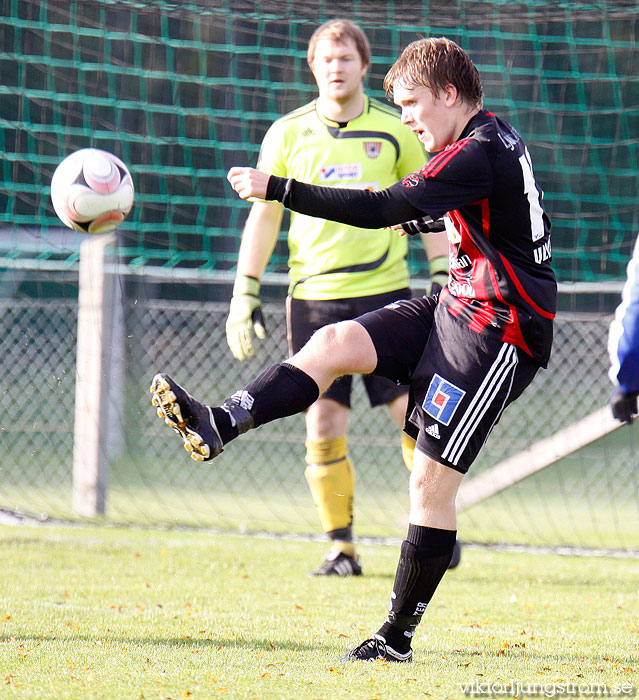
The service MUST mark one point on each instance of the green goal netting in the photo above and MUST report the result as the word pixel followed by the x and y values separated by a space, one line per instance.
pixel 183 90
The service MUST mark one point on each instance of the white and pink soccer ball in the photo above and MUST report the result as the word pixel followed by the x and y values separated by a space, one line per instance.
pixel 92 191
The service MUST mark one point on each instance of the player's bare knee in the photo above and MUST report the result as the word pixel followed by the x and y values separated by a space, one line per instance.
pixel 346 347
pixel 433 482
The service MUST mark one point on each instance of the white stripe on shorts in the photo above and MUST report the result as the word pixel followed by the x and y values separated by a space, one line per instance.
pixel 504 364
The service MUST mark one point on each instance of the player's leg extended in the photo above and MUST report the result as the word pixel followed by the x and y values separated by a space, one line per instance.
pixel 281 390
pixel 331 480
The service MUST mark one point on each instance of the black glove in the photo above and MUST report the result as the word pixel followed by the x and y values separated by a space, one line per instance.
pixel 624 406
pixel 423 225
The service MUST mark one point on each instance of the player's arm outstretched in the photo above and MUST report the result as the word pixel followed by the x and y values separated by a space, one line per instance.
pixel 355 207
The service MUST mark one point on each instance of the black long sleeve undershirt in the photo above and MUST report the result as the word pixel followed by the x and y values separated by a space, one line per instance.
pixel 355 207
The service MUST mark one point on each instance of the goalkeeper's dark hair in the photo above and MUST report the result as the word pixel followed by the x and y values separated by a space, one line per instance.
pixel 435 63
pixel 338 30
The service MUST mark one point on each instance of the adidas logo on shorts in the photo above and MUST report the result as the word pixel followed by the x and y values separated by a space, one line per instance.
pixel 433 430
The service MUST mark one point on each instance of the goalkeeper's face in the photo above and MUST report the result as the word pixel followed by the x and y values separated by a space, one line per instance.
pixel 434 118
pixel 338 69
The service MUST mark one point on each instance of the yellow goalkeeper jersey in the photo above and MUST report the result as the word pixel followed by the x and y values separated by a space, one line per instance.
pixel 329 260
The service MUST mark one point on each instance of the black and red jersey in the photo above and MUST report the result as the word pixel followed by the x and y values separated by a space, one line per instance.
pixel 501 280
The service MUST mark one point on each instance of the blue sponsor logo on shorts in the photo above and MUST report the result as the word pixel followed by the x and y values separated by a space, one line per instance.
pixel 442 399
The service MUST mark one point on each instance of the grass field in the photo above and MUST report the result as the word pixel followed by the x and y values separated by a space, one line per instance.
pixel 132 613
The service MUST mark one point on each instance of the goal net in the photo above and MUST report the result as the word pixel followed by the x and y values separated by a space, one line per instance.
pixel 182 91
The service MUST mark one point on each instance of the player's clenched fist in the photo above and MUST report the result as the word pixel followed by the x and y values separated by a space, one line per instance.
pixel 248 182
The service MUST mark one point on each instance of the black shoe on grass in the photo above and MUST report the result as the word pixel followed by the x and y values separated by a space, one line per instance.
pixel 337 563
pixel 191 420
pixel 376 649
pixel 456 558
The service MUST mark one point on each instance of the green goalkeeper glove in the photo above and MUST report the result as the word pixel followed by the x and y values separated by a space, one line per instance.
pixel 438 270
pixel 245 317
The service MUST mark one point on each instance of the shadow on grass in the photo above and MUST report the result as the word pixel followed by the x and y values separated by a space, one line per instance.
pixel 456 657
pixel 176 642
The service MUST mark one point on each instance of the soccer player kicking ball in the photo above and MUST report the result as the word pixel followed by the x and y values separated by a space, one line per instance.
pixel 467 354
pixel 337 272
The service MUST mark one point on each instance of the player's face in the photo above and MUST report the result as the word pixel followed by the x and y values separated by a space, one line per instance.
pixel 430 117
pixel 338 69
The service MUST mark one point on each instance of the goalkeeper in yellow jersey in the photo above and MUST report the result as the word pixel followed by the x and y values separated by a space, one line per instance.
pixel 337 272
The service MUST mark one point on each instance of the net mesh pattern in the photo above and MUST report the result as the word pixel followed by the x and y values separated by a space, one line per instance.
pixel 257 483
pixel 182 91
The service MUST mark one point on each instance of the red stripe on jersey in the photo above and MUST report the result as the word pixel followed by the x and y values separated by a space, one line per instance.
pixel 459 223
pixel 512 331
pixel 435 164
pixel 513 334
pixel 522 291
pixel 481 268
pixel 485 217
pixel 484 271
pixel 455 307
pixel 482 316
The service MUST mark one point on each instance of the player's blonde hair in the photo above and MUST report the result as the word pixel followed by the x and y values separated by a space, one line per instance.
pixel 435 63
pixel 338 30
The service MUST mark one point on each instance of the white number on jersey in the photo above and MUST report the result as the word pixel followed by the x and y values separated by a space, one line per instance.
pixel 530 189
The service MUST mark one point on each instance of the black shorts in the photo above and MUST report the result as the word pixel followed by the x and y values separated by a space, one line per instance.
pixel 304 317
pixel 460 381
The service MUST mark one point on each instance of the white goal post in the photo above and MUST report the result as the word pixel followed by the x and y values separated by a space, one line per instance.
pixel 536 457
pixel 93 353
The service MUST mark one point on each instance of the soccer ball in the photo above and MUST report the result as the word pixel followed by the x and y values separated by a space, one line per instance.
pixel 92 191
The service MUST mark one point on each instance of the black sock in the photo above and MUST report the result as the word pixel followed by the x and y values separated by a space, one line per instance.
pixel 281 390
pixel 425 555
pixel 224 426
pixel 343 534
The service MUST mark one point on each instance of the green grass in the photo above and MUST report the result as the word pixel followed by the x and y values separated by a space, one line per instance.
pixel 130 613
